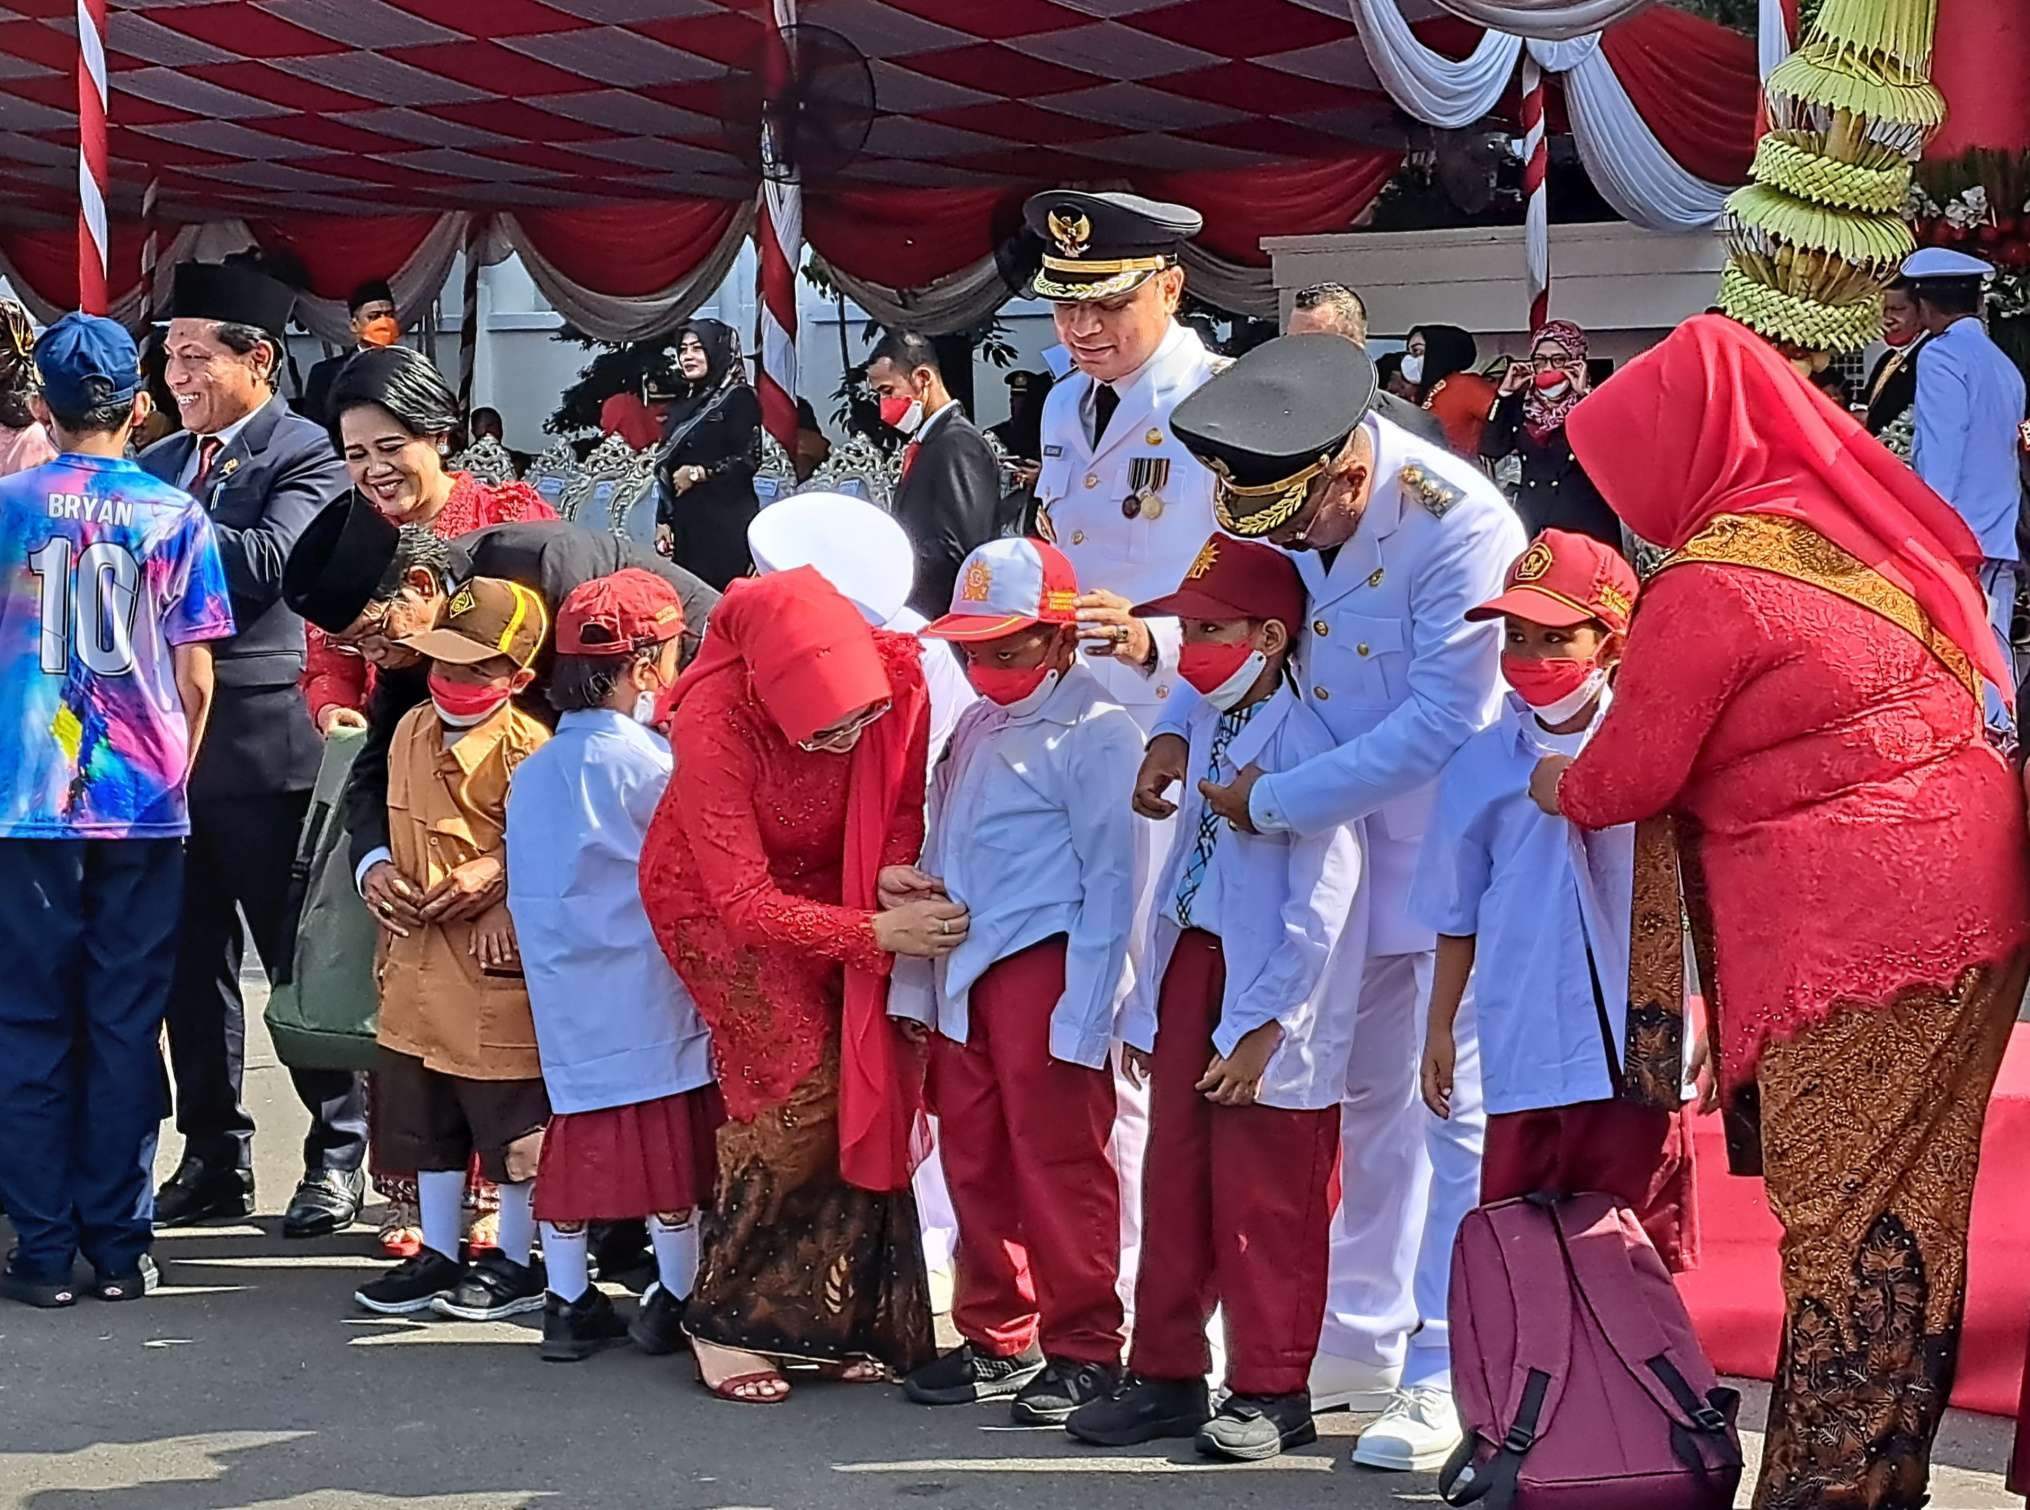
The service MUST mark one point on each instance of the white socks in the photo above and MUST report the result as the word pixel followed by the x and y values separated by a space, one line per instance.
pixel 441 1199
pixel 564 1256
pixel 676 1255
pixel 517 1220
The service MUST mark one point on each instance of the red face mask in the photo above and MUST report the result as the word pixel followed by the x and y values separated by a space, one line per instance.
pixel 464 703
pixel 1003 684
pixel 1898 338
pixel 1208 666
pixel 1552 377
pixel 902 412
pixel 1542 683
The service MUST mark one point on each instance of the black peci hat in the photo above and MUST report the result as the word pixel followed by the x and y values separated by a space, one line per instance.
pixel 1273 421
pixel 231 294
pixel 338 561
pixel 1098 245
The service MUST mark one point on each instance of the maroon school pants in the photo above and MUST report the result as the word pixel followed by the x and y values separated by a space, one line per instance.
pixel 1024 1141
pixel 1236 1207
pixel 1638 1154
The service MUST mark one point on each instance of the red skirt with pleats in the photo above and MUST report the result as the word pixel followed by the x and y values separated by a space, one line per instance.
pixel 630 1161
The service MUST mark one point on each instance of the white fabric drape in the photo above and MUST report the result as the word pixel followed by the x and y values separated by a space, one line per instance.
pixel 624 317
pixel 1437 90
pixel 1628 165
pixel 1232 286
pixel 957 301
pixel 127 306
pixel 1772 37
pixel 1547 20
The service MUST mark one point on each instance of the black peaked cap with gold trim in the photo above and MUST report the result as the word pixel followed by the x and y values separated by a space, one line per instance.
pixel 1272 422
pixel 1098 245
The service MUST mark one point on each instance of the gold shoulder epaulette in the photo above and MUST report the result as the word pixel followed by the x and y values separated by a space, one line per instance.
pixel 1435 495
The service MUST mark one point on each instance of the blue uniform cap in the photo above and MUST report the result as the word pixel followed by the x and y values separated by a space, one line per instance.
pixel 85 361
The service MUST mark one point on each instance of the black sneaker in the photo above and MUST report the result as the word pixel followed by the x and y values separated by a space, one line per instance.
pixel 1142 1410
pixel 493 1289
pixel 137 1283
pixel 411 1285
pixel 1250 1428
pixel 966 1376
pixel 49 1293
pixel 658 1325
pixel 580 1328
pixel 1062 1387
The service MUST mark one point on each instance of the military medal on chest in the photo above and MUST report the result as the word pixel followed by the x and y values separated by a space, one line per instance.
pixel 1147 476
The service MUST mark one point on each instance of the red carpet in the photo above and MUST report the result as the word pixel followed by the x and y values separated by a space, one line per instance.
pixel 1735 1296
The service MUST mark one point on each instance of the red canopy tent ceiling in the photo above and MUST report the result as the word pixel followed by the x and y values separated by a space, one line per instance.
pixel 286 112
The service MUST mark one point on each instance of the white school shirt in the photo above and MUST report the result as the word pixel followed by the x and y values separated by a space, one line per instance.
pixel 1391 666
pixel 1289 911
pixel 614 1024
pixel 1031 830
pixel 1535 892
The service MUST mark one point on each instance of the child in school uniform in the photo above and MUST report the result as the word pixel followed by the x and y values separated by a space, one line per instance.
pixel 626 1059
pixel 457 1070
pixel 1536 910
pixel 1242 1021
pixel 1031 830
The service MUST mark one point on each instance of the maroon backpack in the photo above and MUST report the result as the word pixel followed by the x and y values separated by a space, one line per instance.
pixel 1577 1376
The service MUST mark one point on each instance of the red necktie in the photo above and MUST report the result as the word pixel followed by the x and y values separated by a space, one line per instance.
pixel 908 459
pixel 208 448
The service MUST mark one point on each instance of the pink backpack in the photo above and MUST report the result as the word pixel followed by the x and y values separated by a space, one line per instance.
pixel 1577 1376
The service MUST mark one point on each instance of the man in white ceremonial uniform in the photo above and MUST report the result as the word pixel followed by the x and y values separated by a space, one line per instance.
pixel 1968 408
pixel 1125 501
pixel 1395 538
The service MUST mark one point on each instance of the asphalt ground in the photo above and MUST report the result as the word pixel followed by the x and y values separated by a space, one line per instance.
pixel 251 1379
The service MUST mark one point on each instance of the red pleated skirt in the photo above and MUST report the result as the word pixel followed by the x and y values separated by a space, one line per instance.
pixel 630 1161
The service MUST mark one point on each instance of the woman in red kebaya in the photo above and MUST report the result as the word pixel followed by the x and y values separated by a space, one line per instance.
pixel 1801 695
pixel 392 417
pixel 801 739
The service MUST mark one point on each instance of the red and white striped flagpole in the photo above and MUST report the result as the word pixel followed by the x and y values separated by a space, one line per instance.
pixel 151 248
pixel 779 235
pixel 1536 195
pixel 92 234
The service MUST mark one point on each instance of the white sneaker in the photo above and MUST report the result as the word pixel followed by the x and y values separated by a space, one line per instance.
pixel 1416 1434
pixel 1347 1383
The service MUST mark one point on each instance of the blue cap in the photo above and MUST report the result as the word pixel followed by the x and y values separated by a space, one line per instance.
pixel 85 361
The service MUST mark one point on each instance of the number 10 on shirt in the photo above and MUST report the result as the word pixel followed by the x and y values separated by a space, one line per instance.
pixel 106 588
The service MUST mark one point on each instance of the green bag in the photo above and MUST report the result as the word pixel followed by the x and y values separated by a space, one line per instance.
pixel 321 1015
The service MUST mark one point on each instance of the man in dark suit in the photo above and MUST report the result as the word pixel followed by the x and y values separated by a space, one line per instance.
pixel 374 323
pixel 1892 386
pixel 1337 309
pixel 262 474
pixel 949 498
pixel 368 585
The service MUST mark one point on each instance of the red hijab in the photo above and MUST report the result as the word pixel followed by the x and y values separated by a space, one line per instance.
pixel 1716 421
pixel 811 660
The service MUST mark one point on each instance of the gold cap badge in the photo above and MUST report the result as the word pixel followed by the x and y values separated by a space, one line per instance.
pixel 1072 232
pixel 978 580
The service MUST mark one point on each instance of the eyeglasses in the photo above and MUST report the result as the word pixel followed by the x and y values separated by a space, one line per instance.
pixel 837 741
pixel 375 634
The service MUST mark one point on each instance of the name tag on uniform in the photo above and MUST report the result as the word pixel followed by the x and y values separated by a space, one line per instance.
pixel 1053 450
pixel 1146 478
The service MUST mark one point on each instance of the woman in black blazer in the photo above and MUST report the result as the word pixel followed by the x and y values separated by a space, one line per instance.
pixel 710 452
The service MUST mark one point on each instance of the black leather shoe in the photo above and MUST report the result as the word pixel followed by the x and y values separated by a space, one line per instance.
pixel 201 1192
pixel 1143 1410
pixel 327 1201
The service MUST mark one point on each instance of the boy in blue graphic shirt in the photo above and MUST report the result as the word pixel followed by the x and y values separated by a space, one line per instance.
pixel 112 589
